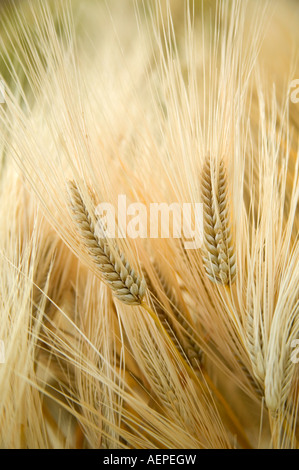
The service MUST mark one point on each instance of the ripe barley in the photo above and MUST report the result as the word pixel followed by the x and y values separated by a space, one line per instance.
pixel 281 369
pixel 219 257
pixel 173 320
pixel 194 362
pixel 112 266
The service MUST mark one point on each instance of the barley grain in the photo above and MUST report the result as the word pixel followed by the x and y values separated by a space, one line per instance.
pixel 113 267
pixel 219 256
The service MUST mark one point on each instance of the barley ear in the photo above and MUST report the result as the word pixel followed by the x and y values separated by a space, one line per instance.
pixel 281 366
pixel 219 255
pixel 111 265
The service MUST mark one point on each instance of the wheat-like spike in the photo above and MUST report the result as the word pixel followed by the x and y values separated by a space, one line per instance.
pixel 111 264
pixel 255 345
pixel 281 368
pixel 255 385
pixel 192 349
pixel 162 313
pixel 219 257
pixel 183 339
pixel 161 383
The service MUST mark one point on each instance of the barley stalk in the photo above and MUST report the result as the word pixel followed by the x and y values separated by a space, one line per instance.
pixel 219 256
pixel 114 269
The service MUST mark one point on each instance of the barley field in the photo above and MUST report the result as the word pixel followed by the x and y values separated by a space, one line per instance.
pixel 143 338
